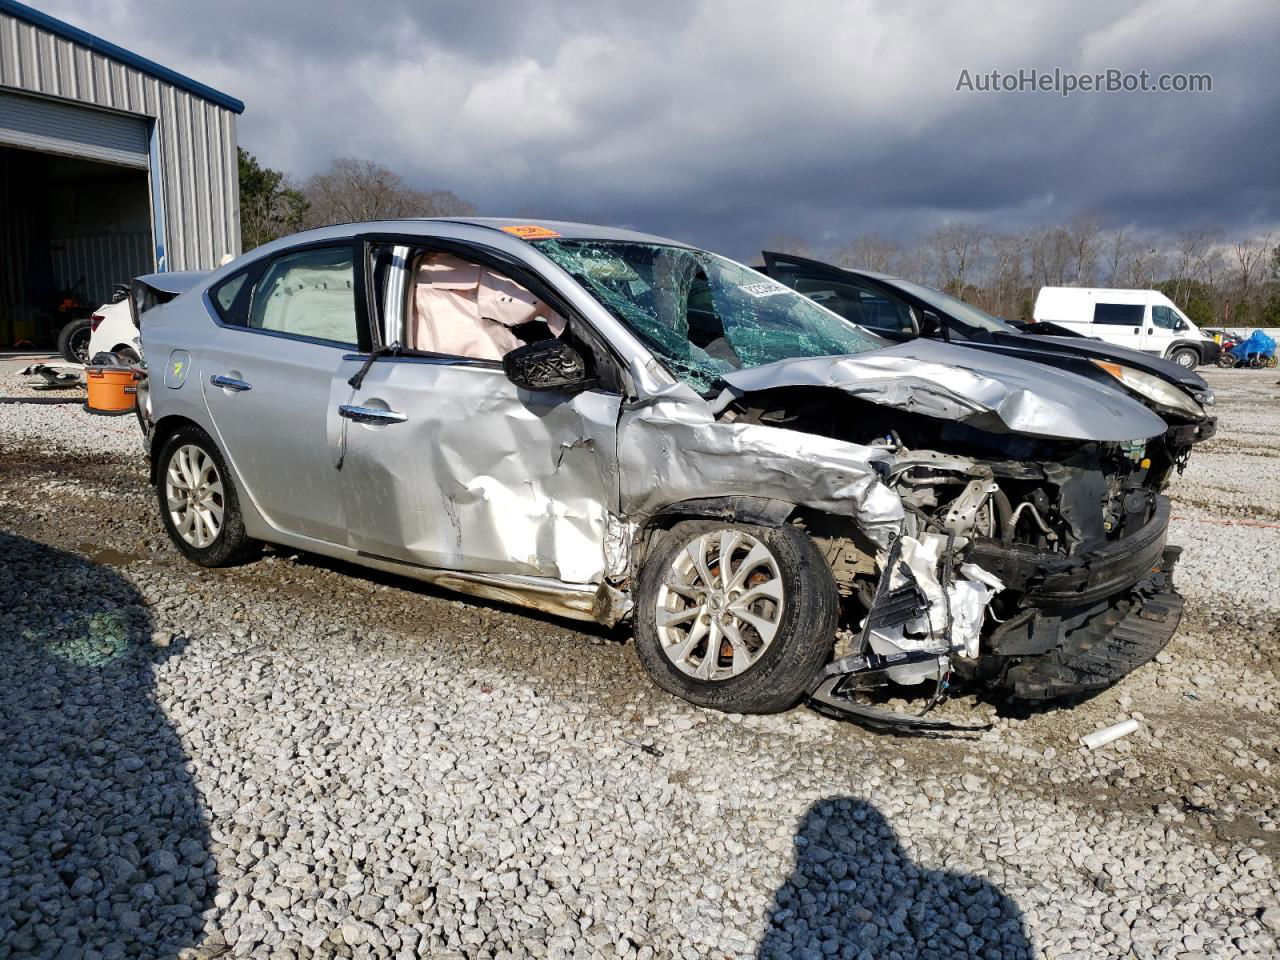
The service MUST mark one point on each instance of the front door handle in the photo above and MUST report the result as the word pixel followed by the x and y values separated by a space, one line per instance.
pixel 370 414
pixel 229 383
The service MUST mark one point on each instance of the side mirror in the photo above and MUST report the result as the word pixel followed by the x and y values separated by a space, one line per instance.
pixel 1181 325
pixel 546 365
pixel 930 324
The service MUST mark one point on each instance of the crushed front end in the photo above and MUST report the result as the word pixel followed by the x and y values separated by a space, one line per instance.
pixel 1036 565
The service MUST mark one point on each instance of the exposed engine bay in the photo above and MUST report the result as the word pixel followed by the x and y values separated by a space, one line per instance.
pixel 1034 564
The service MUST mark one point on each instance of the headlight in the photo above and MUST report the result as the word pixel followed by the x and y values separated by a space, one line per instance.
pixel 1153 388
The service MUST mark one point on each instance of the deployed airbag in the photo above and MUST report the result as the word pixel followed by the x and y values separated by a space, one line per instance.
pixel 465 309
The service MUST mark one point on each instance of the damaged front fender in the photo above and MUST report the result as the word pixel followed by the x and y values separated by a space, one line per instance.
pixel 671 451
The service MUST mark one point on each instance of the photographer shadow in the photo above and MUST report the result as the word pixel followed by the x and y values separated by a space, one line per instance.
pixel 104 839
pixel 855 893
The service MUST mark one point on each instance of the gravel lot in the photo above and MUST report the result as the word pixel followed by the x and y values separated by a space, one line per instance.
pixel 295 758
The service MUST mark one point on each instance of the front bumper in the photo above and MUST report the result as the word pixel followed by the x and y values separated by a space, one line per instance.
pixel 1210 351
pixel 1085 621
pixel 1051 580
pixel 1187 434
pixel 1042 655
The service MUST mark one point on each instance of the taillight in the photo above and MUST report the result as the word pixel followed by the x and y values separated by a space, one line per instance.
pixel 94 320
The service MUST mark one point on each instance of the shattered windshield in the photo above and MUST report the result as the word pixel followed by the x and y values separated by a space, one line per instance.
pixel 703 315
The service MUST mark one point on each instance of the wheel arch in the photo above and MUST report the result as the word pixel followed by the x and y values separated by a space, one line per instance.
pixel 845 548
pixel 164 428
pixel 1197 347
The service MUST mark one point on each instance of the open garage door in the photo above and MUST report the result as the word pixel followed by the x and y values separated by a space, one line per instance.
pixel 48 126
pixel 75 214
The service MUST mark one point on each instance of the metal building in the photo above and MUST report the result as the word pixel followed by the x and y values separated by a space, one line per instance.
pixel 111 166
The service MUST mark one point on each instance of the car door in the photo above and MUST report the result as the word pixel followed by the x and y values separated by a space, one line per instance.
pixel 283 327
pixel 1162 330
pixel 447 464
pixel 1120 323
pixel 843 293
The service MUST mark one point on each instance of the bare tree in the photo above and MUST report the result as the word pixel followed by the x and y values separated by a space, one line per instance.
pixel 1085 232
pixel 1145 265
pixel 1051 251
pixel 953 253
pixel 1117 252
pixel 1250 259
pixel 870 252
pixel 1191 250
pixel 1006 288
pixel 352 190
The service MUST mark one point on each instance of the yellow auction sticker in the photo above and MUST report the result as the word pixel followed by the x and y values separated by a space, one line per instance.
pixel 529 231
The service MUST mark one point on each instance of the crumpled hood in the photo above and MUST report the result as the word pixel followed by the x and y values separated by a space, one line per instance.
pixel 985 390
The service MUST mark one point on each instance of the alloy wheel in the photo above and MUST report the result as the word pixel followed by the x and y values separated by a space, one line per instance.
pixel 194 495
pixel 720 605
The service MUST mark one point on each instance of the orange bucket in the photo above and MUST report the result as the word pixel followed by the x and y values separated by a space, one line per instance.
pixel 112 389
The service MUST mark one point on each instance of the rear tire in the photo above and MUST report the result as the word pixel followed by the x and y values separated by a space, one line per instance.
pixel 199 505
pixel 1186 358
pixel 752 655
pixel 73 341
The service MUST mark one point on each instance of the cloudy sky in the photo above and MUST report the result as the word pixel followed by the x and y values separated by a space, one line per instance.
pixel 727 122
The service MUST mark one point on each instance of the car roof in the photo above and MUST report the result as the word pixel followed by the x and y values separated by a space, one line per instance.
pixel 568 229
pixel 530 230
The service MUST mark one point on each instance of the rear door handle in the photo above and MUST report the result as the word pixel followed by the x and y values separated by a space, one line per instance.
pixel 229 383
pixel 370 414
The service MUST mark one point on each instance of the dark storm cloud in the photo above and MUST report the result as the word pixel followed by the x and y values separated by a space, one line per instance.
pixel 727 123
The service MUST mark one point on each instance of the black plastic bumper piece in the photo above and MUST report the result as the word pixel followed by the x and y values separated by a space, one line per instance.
pixel 1051 580
pixel 1188 434
pixel 1086 650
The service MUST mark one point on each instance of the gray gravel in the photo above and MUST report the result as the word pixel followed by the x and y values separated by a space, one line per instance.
pixel 296 759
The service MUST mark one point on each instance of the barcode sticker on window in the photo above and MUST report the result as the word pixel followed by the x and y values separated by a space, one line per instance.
pixel 765 288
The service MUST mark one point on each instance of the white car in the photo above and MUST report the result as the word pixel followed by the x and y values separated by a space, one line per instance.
pixel 112 330
pixel 1143 320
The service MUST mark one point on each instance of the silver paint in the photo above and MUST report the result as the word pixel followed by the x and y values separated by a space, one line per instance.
pixel 984 390
pixel 539 499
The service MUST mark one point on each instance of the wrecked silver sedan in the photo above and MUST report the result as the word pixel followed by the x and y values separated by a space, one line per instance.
pixel 613 426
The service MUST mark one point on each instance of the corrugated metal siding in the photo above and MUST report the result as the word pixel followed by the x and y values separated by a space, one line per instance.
pixel 89 265
pixel 199 174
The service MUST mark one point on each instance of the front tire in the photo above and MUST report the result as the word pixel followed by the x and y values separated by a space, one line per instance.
pixel 198 502
pixel 1186 358
pixel 735 617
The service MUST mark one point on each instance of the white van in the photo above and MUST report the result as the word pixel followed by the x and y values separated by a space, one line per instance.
pixel 1143 320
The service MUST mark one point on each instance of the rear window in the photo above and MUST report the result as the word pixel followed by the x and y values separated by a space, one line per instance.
pixel 1119 314
pixel 310 293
